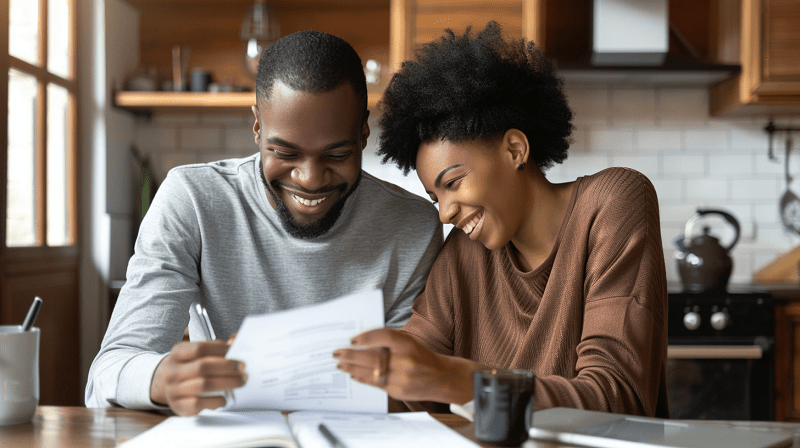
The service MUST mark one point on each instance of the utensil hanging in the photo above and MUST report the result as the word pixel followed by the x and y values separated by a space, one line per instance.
pixel 790 203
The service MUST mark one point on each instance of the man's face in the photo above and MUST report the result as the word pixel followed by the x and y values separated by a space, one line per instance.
pixel 310 147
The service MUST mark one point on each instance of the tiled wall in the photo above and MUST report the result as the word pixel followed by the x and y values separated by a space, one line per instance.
pixel 692 159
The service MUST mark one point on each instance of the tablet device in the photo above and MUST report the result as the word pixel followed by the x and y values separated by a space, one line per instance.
pixel 606 430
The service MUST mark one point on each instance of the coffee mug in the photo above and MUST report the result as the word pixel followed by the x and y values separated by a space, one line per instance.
pixel 503 404
pixel 19 374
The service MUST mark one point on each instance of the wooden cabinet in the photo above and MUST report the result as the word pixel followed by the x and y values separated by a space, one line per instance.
pixel 764 37
pixel 787 355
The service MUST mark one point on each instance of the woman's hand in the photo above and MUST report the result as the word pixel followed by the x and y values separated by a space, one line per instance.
pixel 410 371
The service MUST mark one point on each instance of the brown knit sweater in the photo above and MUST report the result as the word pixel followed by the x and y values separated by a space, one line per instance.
pixel 590 321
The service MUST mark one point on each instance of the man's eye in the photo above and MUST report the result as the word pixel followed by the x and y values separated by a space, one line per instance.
pixel 283 154
pixel 339 156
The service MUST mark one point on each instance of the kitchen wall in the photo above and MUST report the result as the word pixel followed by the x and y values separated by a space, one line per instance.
pixel 692 159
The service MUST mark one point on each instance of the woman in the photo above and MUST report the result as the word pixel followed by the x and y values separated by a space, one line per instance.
pixel 566 280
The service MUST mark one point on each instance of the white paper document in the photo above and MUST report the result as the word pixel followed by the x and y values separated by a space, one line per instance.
pixel 289 357
pixel 356 430
pixel 247 429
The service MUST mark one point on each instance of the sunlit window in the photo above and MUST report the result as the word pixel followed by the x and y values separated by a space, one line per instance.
pixel 40 146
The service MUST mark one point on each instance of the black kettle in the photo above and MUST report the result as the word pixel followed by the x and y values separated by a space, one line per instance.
pixel 703 263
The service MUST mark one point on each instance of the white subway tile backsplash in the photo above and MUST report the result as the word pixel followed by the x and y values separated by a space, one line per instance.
pixel 706 139
pixel 148 137
pixel 629 106
pixel 244 118
pixel 169 119
pixel 681 105
pixel 688 164
pixel 610 140
pixel 169 160
pixel 668 189
pixel 656 139
pixel 751 139
pixel 581 165
pixel 754 189
pixel 646 164
pixel 589 106
pixel 733 165
pixel 200 138
pixel 706 189
pixel 239 138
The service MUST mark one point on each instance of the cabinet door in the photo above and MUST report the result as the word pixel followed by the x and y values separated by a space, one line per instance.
pixel 415 22
pixel 775 66
pixel 787 361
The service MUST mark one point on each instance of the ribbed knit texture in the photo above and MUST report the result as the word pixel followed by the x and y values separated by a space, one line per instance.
pixel 590 320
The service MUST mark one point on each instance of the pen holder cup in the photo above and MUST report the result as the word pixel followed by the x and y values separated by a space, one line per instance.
pixel 19 374
pixel 503 405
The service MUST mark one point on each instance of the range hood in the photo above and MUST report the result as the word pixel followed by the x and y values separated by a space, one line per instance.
pixel 630 42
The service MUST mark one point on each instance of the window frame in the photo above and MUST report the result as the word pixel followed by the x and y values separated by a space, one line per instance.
pixel 43 77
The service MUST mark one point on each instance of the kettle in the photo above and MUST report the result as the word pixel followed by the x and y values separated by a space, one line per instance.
pixel 703 263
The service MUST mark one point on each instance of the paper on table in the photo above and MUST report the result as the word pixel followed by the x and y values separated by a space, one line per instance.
pixel 359 430
pixel 289 357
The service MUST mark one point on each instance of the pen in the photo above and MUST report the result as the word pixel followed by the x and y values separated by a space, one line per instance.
pixel 33 311
pixel 200 313
pixel 332 439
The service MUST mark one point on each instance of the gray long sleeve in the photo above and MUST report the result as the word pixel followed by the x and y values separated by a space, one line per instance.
pixel 211 235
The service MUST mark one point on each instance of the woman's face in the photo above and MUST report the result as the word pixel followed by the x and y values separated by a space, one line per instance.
pixel 477 186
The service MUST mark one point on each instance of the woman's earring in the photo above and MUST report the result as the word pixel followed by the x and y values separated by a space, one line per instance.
pixel 521 166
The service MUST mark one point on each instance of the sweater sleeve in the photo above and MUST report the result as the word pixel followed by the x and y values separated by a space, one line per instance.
pixel 621 355
pixel 152 310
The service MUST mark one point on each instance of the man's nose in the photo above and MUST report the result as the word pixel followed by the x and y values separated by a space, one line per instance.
pixel 311 175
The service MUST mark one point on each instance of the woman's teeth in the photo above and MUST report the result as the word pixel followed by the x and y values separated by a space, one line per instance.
pixel 470 226
pixel 308 202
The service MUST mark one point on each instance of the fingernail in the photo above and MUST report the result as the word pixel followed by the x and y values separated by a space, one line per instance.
pixel 245 377
pixel 353 341
pixel 336 354
pixel 241 367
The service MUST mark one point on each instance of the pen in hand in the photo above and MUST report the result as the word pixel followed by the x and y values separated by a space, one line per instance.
pixel 199 312
pixel 332 439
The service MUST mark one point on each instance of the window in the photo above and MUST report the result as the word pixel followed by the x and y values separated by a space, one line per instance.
pixel 40 161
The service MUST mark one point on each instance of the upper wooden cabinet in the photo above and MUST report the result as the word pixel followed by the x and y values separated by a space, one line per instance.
pixel 764 37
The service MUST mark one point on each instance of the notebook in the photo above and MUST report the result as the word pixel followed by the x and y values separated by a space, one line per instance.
pixel 245 429
pixel 606 430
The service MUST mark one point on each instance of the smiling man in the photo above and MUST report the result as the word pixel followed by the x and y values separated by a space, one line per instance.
pixel 297 223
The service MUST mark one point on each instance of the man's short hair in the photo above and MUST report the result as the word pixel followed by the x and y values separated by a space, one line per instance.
pixel 313 62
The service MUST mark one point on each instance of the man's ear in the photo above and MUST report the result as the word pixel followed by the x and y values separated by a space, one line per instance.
pixel 365 130
pixel 516 143
pixel 256 126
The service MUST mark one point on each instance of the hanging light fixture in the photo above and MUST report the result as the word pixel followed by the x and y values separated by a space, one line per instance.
pixel 259 30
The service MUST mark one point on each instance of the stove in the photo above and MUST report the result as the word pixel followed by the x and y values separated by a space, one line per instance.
pixel 720 357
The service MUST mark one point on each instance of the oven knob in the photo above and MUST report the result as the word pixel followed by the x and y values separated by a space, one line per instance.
pixel 719 320
pixel 691 320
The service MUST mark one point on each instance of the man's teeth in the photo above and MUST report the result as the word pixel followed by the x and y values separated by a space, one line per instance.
pixel 308 202
pixel 470 226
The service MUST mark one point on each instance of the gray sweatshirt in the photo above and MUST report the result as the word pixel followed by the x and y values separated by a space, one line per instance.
pixel 211 235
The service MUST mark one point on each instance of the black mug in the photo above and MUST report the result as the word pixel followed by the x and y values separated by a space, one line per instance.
pixel 199 80
pixel 503 405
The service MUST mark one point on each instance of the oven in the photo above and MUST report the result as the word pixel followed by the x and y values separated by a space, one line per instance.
pixel 720 358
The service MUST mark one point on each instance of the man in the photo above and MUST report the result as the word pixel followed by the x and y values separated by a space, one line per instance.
pixel 296 224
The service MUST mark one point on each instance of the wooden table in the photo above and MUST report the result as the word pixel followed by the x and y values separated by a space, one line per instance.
pixel 68 427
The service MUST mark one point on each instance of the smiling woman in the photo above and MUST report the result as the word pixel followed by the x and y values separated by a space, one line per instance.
pixel 565 280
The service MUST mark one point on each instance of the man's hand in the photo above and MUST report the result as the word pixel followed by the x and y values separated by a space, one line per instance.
pixel 192 369
pixel 413 371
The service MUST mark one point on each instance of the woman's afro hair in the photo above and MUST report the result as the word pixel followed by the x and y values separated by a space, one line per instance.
pixel 475 86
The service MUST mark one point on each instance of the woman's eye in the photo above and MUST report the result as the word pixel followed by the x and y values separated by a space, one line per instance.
pixel 452 182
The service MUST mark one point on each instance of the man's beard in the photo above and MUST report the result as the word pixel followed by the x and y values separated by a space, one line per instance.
pixel 316 228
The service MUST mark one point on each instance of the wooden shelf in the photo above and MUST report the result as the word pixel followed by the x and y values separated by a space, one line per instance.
pixel 195 101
